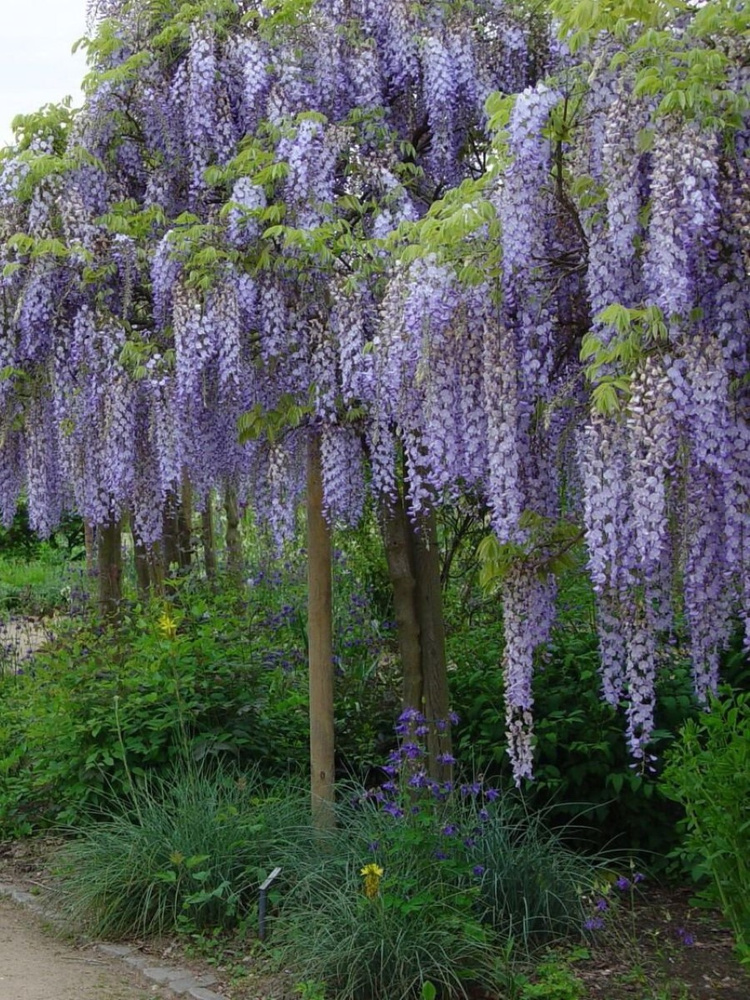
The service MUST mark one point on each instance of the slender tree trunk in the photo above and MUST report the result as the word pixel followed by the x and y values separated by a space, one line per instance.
pixel 170 534
pixel 320 646
pixel 156 569
pixel 429 601
pixel 89 541
pixel 109 559
pixel 207 539
pixel 414 570
pixel 185 525
pixel 235 556
pixel 397 537
pixel 142 566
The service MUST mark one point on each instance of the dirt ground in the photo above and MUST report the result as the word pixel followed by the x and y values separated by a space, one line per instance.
pixel 35 965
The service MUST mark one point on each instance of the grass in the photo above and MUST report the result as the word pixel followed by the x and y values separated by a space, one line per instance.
pixel 186 854
pixel 453 905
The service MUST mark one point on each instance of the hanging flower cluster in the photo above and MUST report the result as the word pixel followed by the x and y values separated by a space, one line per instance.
pixel 215 244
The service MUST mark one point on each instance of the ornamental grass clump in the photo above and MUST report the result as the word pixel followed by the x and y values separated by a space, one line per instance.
pixel 426 880
pixel 185 853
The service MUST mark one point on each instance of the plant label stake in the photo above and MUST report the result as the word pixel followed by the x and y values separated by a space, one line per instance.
pixel 262 901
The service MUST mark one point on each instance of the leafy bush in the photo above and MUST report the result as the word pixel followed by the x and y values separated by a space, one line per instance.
pixel 708 772
pixel 187 854
pixel 96 698
pixel 582 770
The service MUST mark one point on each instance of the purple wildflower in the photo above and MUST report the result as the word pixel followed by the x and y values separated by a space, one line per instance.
pixel 449 829
pixel 478 870
pixel 393 810
pixel 622 883
pixel 445 758
pixel 602 905
pixel 593 924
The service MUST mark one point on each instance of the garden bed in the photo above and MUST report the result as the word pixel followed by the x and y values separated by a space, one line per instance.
pixel 667 948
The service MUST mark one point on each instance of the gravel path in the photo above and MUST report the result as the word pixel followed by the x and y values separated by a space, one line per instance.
pixel 34 965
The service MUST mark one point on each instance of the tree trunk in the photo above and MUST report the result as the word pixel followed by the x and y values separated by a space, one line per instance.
pixel 142 566
pixel 397 537
pixel 235 556
pixel 320 646
pixel 429 601
pixel 414 570
pixel 109 559
pixel 185 525
pixel 170 534
pixel 89 541
pixel 207 539
pixel 156 568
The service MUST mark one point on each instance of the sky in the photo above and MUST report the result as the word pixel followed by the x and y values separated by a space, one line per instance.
pixel 36 65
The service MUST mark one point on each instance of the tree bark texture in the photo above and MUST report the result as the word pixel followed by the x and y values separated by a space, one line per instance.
pixel 397 537
pixel 429 600
pixel 235 555
pixel 185 525
pixel 89 541
pixel 320 646
pixel 208 539
pixel 142 567
pixel 414 570
pixel 109 562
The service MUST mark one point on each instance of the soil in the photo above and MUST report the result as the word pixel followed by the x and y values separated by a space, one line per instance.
pixel 34 965
pixel 666 948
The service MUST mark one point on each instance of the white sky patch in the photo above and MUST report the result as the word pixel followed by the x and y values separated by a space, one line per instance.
pixel 36 65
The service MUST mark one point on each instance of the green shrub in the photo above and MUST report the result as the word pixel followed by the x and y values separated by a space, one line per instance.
pixel 96 697
pixel 708 773
pixel 582 768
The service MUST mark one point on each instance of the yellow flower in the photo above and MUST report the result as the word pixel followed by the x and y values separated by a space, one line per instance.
pixel 167 625
pixel 372 875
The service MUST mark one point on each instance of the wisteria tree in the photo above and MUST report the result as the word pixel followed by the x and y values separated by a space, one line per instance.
pixel 416 250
